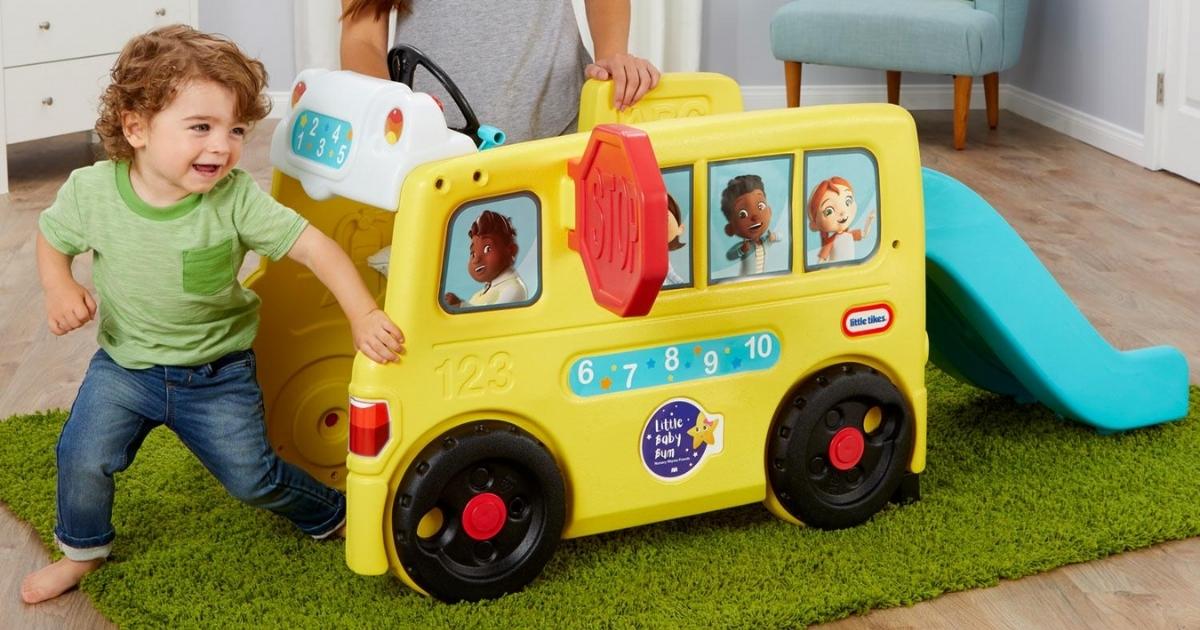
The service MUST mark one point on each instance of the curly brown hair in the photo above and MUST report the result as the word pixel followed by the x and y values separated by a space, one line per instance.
pixel 154 65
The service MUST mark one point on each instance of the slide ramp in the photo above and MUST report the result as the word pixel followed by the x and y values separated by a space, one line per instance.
pixel 997 319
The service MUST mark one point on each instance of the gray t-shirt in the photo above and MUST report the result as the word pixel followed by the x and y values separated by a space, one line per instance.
pixel 518 62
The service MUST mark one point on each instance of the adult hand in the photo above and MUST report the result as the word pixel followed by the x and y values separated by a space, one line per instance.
pixel 632 77
pixel 376 336
pixel 68 307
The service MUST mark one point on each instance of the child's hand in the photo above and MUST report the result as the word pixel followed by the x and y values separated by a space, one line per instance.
pixel 377 337
pixel 68 307
pixel 632 77
pixel 453 300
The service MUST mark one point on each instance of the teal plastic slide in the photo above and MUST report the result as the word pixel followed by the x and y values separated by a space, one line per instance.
pixel 997 319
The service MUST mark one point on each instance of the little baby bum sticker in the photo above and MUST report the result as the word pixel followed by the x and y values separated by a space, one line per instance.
pixel 678 437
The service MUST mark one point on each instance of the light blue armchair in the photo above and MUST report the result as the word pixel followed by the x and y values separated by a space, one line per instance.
pixel 964 38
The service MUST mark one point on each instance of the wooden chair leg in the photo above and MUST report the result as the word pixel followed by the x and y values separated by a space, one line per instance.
pixel 962 105
pixel 893 81
pixel 791 72
pixel 991 92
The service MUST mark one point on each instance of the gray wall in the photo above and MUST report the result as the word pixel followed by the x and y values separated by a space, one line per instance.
pixel 1089 55
pixel 262 28
pixel 736 42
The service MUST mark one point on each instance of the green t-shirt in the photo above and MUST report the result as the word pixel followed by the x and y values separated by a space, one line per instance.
pixel 167 277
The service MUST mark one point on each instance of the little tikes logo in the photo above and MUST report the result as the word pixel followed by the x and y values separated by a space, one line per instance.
pixel 867 320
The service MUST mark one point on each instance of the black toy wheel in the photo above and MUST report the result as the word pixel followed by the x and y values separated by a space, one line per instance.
pixel 479 512
pixel 840 446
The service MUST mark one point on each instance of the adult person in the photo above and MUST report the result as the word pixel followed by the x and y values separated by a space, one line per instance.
pixel 520 67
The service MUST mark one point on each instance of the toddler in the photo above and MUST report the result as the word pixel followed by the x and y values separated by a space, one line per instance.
pixel 168 221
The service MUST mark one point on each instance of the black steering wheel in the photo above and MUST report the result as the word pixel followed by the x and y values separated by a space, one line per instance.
pixel 402 64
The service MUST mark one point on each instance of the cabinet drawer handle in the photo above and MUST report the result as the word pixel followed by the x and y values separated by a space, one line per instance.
pixel 48 101
pixel 44 26
pixel 160 12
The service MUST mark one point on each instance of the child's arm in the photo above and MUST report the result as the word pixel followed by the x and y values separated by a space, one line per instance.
pixel 374 334
pixel 68 304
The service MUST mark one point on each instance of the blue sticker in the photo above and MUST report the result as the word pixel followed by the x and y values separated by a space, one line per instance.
pixel 323 139
pixel 678 437
pixel 676 363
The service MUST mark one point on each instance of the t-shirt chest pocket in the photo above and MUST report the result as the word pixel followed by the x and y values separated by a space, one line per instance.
pixel 207 270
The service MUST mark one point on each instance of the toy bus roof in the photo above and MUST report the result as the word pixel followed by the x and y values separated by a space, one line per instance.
pixel 341 136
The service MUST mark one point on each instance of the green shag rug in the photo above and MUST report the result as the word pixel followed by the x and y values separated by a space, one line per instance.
pixel 1009 491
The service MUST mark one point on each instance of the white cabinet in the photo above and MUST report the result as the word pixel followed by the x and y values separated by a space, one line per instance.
pixel 56 56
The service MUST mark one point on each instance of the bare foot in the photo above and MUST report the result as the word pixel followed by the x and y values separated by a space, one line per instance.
pixel 54 580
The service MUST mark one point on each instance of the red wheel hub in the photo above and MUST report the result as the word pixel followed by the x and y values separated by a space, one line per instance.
pixel 484 516
pixel 845 449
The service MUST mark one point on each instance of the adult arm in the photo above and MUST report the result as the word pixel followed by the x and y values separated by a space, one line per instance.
pixel 364 42
pixel 608 22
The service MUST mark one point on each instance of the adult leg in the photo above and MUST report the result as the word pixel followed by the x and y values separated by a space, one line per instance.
pixel 108 422
pixel 218 414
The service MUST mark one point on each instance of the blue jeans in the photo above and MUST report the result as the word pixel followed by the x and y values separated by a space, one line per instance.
pixel 216 409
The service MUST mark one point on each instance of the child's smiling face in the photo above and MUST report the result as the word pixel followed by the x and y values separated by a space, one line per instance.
pixel 837 210
pixel 188 146
pixel 751 215
pixel 489 257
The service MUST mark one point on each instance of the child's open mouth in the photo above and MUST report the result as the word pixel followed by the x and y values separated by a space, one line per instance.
pixel 480 268
pixel 843 220
pixel 207 170
pixel 756 226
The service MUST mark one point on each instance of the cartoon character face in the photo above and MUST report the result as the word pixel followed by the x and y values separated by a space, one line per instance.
pixel 836 211
pixel 674 228
pixel 704 432
pixel 750 217
pixel 490 256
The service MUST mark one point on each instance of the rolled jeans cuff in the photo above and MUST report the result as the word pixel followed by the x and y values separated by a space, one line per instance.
pixel 332 531
pixel 83 554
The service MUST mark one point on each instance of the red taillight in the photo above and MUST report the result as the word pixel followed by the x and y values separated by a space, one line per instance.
pixel 297 92
pixel 369 426
pixel 394 126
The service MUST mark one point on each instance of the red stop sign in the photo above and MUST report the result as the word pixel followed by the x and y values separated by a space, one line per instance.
pixel 621 219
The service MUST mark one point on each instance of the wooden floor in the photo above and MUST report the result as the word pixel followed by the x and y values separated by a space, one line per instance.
pixel 1123 242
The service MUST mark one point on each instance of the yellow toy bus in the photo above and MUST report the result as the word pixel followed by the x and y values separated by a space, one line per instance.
pixel 649 319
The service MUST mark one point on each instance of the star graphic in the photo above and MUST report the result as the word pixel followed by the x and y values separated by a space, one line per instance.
pixel 687 364
pixel 703 432
pixel 650 364
pixel 737 362
pixel 697 350
pixel 605 383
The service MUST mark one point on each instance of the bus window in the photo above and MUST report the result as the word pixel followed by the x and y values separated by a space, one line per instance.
pixel 493 258
pixel 842 208
pixel 679 227
pixel 750 223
